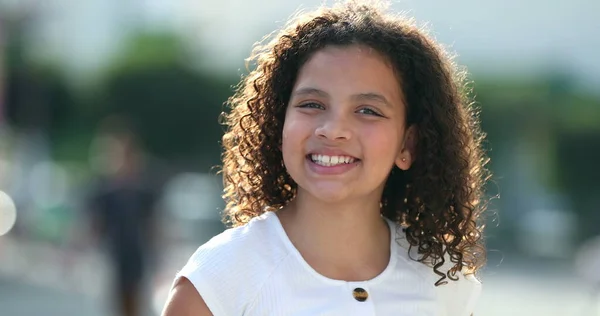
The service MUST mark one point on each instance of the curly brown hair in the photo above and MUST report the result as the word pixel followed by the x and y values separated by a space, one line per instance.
pixel 439 200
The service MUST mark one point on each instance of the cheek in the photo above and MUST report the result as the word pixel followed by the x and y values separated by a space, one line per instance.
pixel 383 142
pixel 294 132
pixel 296 126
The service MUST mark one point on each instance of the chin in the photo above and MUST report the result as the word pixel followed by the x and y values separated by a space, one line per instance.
pixel 329 194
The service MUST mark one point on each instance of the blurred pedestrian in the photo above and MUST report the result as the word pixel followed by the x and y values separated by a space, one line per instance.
pixel 122 206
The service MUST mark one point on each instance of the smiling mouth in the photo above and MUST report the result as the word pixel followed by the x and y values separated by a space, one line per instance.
pixel 330 161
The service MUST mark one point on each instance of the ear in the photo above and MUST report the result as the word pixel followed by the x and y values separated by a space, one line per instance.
pixel 407 154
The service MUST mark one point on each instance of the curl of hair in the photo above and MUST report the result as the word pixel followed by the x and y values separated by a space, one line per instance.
pixel 439 200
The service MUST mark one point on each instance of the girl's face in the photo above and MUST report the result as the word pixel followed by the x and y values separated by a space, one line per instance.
pixel 345 127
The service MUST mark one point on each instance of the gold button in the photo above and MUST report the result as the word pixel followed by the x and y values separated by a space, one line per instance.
pixel 360 294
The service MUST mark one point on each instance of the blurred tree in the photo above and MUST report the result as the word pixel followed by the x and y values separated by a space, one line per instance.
pixel 560 126
pixel 37 96
pixel 579 155
pixel 175 107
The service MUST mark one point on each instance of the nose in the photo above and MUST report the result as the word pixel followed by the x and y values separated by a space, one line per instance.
pixel 334 126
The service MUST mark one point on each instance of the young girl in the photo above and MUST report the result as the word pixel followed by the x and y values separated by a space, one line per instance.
pixel 353 176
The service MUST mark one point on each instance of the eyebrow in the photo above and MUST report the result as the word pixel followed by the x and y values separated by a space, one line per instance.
pixel 371 96
pixel 310 91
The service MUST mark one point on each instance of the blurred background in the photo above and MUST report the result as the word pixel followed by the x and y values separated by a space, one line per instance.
pixel 109 132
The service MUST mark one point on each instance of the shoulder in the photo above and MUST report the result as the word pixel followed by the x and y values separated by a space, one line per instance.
pixel 455 297
pixel 184 300
pixel 460 297
pixel 229 268
pixel 256 242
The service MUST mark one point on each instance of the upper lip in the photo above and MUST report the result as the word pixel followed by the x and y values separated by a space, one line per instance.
pixel 331 152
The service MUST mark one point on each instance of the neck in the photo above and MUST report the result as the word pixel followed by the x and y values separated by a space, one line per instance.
pixel 346 241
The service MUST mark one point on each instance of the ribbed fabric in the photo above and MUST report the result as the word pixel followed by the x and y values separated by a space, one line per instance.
pixel 256 270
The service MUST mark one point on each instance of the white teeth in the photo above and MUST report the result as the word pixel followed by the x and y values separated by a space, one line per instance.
pixel 329 161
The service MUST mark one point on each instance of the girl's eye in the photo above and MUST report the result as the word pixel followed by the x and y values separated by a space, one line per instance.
pixel 311 105
pixel 369 111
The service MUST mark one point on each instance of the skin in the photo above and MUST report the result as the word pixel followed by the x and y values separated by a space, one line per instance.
pixel 184 300
pixel 346 100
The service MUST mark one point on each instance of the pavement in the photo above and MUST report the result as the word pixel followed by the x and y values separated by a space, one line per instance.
pixel 19 298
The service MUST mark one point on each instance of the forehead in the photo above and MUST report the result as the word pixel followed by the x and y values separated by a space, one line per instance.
pixel 352 69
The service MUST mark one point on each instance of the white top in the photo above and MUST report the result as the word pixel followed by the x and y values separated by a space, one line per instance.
pixel 256 270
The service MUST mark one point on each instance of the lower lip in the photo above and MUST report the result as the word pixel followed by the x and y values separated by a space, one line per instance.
pixel 330 170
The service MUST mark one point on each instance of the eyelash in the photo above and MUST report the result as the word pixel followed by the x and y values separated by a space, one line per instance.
pixel 372 112
pixel 310 105
pixel 313 105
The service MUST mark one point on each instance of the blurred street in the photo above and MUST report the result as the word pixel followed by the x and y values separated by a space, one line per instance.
pixel 18 298
pixel 65 285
